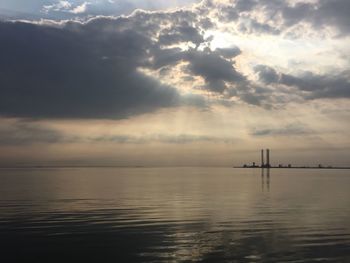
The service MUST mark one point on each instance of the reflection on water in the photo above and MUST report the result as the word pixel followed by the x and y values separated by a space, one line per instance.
pixel 174 214
pixel 265 184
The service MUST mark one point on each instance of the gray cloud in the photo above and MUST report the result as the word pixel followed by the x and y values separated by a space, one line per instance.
pixel 179 34
pixel 206 23
pixel 320 86
pixel 245 5
pixel 311 86
pixel 294 129
pixel 93 69
pixel 215 69
pixel 321 14
pixel 334 12
pixel 294 14
pixel 251 26
pixel 267 74
pixel 161 138
pixel 228 52
pixel 251 98
pixel 87 70
pixel 163 57
pixel 22 133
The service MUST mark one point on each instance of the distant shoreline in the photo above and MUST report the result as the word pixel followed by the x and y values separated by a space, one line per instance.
pixel 296 167
pixel 140 166
pixel 69 166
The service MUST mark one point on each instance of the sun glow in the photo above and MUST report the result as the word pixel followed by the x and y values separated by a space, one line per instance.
pixel 220 39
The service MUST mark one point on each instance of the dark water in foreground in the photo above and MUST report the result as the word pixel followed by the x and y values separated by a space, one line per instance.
pixel 174 214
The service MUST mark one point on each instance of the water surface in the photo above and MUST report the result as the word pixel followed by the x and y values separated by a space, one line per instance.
pixel 174 214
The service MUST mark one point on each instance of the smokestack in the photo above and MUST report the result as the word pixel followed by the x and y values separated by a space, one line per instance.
pixel 267 157
pixel 262 158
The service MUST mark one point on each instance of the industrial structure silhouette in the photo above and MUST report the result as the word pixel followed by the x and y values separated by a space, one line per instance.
pixel 267 164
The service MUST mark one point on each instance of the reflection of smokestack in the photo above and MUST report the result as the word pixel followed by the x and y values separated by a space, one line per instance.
pixel 267 157
pixel 262 158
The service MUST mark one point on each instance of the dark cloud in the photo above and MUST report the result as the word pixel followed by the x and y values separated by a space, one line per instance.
pixel 245 5
pixel 161 138
pixel 94 69
pixel 166 57
pixel 294 14
pixel 229 14
pixel 320 86
pixel 323 13
pixel 206 23
pixel 217 68
pixel 251 98
pixel 320 15
pixel 214 68
pixel 267 74
pixel 228 52
pixel 251 26
pixel 240 12
pixel 179 34
pixel 311 86
pixel 75 70
pixel 333 12
pixel 293 129
pixel 22 133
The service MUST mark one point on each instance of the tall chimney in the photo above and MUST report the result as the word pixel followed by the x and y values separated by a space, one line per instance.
pixel 262 158
pixel 268 158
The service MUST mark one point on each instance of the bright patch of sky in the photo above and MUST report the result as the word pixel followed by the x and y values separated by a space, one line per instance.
pixel 291 55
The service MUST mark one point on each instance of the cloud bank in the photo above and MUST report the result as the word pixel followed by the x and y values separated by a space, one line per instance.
pixel 117 67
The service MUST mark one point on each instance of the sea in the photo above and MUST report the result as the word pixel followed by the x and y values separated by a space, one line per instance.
pixel 174 214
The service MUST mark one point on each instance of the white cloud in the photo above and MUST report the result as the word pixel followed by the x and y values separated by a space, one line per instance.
pixel 80 8
pixel 66 6
pixel 61 5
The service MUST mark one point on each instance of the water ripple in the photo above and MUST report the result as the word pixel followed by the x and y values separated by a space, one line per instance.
pixel 191 218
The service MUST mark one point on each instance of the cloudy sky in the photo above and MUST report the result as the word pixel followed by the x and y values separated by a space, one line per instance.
pixel 141 82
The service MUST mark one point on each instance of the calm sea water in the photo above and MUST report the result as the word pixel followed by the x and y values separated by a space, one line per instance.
pixel 174 214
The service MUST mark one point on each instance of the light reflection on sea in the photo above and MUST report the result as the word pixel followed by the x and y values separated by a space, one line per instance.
pixel 174 214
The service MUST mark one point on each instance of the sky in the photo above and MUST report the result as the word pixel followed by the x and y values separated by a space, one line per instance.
pixel 174 83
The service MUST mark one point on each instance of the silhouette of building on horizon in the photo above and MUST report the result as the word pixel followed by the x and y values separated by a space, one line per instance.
pixel 263 164
pixel 267 164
